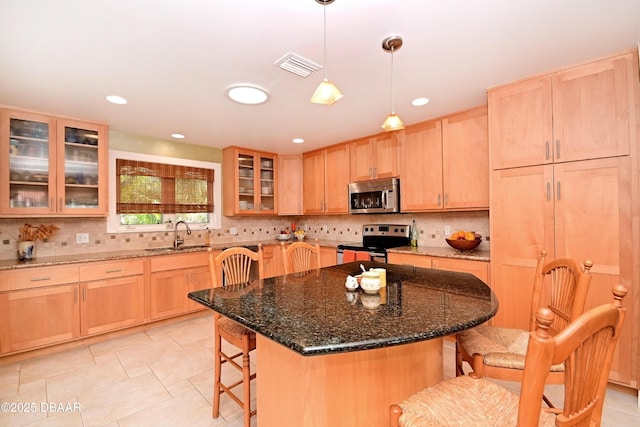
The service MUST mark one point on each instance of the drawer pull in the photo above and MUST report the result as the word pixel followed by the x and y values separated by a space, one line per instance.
pixel 114 270
pixel 39 279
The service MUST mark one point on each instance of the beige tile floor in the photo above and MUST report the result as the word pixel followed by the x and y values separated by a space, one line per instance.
pixel 160 377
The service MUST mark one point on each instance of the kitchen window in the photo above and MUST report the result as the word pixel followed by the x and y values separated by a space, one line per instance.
pixel 151 193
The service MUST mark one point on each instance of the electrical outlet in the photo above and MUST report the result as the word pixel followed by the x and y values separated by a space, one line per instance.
pixel 233 231
pixel 325 228
pixel 82 238
pixel 447 230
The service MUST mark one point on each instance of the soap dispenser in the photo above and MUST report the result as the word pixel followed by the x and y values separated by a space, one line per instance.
pixel 414 234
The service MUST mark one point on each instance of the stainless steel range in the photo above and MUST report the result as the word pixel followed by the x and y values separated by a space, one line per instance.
pixel 376 239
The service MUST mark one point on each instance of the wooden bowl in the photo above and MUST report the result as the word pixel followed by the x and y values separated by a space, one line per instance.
pixel 464 245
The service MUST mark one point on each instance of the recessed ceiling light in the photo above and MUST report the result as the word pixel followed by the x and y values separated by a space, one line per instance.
pixel 115 99
pixel 418 102
pixel 248 94
pixel 298 140
pixel 177 136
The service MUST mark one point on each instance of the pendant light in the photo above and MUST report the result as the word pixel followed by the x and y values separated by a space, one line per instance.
pixel 326 93
pixel 393 122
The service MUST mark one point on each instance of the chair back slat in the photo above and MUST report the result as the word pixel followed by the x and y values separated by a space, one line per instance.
pixel 586 348
pixel 235 265
pixel 300 256
pixel 560 285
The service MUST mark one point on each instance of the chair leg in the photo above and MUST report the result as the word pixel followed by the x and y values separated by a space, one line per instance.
pixel 477 366
pixel 217 374
pixel 459 361
pixel 246 374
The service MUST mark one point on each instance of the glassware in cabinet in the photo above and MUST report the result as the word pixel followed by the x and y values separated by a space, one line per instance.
pixel 29 187
pixel 81 168
pixel 267 184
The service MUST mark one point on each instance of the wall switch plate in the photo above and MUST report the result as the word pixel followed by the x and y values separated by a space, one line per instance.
pixel 447 230
pixel 82 238
pixel 233 231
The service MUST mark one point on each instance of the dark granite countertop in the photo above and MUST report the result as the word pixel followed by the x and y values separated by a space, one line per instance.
pixel 314 314
pixel 443 252
pixel 9 264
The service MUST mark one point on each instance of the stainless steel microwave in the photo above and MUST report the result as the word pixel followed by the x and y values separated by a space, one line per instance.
pixel 375 196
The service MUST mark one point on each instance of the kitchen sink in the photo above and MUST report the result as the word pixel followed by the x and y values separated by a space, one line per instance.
pixel 178 249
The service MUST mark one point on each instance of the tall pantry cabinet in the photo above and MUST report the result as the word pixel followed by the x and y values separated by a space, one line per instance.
pixel 564 178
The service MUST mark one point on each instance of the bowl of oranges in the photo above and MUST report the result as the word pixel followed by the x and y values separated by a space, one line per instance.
pixel 464 240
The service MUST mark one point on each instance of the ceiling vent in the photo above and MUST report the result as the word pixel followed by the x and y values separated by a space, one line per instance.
pixel 297 65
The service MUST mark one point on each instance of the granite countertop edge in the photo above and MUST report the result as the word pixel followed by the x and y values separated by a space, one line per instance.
pixel 11 264
pixel 442 252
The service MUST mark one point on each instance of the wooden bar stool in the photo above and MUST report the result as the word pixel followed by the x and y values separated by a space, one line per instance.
pixel 585 348
pixel 234 264
pixel 300 256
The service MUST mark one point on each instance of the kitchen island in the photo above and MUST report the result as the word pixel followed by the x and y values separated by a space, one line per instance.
pixel 327 356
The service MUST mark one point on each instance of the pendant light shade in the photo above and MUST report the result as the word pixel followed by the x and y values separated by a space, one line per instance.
pixel 393 122
pixel 327 93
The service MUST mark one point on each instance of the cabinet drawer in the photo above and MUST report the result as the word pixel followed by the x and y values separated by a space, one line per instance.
pixel 26 278
pixel 174 262
pixel 109 269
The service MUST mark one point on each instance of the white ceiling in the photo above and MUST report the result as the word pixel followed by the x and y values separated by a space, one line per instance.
pixel 173 60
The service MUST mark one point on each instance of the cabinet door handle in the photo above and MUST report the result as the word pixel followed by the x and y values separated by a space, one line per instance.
pixel 40 279
pixel 114 270
pixel 52 203
pixel 546 144
pixel 439 197
pixel 60 204
pixel 557 148
pixel 446 199
pixel 75 296
pixel 548 192
pixel 84 294
pixel 558 190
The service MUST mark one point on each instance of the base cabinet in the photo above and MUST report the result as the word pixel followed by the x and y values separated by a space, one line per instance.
pixel 480 269
pixel 328 257
pixel 38 317
pixel 172 278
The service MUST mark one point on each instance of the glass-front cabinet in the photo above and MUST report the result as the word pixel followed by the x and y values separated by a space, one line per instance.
pixel 254 176
pixel 52 166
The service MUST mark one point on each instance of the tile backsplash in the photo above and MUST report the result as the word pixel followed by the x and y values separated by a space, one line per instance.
pixel 339 228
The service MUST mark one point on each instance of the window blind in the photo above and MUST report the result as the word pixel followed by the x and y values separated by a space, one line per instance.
pixel 147 187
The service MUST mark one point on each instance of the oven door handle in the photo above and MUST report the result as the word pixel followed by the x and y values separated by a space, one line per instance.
pixel 385 196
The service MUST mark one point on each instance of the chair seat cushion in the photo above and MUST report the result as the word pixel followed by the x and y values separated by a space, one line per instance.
pixel 464 401
pixel 234 329
pixel 499 347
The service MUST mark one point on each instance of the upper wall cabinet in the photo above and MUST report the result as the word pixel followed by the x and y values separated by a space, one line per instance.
pixel 250 182
pixel 374 157
pixel 444 163
pixel 52 166
pixel 325 179
pixel 575 114
pixel 290 184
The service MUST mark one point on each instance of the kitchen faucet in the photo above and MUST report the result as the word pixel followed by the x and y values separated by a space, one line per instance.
pixel 177 241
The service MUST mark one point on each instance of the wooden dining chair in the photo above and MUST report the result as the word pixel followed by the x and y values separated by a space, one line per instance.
pixel 234 264
pixel 497 352
pixel 585 348
pixel 300 256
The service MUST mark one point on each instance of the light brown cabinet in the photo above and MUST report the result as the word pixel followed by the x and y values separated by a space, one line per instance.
pixel 111 296
pixel 273 262
pixel 250 182
pixel 578 198
pixel 290 184
pixel 52 166
pixel 38 317
pixel 445 163
pixel 480 269
pixel 328 256
pixel 374 157
pixel 325 178
pixel 172 278
pixel 47 305
pixel 582 112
